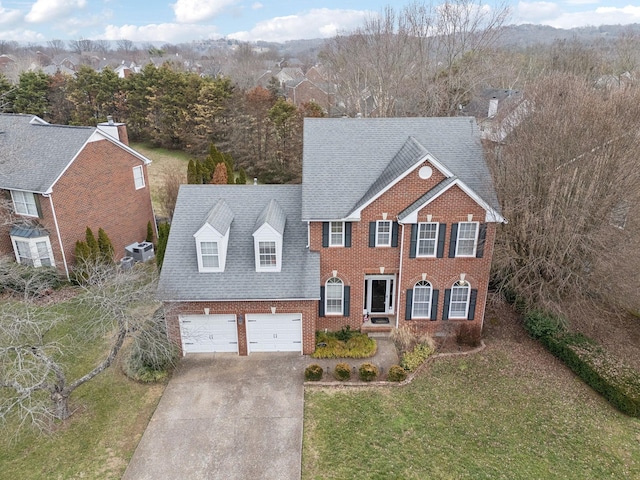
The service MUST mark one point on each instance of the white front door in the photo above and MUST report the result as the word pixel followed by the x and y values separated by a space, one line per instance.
pixel 280 332
pixel 208 333
pixel 379 293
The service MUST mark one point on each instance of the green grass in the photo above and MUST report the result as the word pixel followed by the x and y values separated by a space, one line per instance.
pixel 164 161
pixel 110 414
pixel 480 417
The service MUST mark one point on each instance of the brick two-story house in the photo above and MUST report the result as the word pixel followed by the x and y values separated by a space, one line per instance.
pixel 58 180
pixel 393 226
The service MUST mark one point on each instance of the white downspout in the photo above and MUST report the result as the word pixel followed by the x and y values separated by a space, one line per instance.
pixel 55 220
pixel 399 301
pixel 308 234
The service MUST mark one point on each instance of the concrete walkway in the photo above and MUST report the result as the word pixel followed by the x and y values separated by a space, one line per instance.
pixel 226 417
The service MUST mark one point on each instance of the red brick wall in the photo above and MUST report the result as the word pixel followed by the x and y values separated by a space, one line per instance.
pixel 352 264
pixel 308 308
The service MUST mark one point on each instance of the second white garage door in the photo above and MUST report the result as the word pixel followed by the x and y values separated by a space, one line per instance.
pixel 280 332
pixel 208 333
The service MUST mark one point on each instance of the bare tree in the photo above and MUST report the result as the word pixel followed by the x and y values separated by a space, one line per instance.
pixel 421 60
pixel 56 46
pixel 34 381
pixel 169 192
pixel 569 183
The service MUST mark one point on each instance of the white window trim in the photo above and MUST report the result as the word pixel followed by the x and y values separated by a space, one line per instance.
pixel 475 239
pixel 390 233
pixel 331 244
pixel 267 234
pixel 138 179
pixel 435 241
pixel 210 255
pixel 25 195
pixel 467 287
pixel 269 266
pixel 33 248
pixel 326 297
pixel 413 302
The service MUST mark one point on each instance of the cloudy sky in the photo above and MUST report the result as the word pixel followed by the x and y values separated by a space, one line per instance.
pixel 272 20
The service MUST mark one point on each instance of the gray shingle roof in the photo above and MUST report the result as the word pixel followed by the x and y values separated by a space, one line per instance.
pixel 32 156
pixel 272 215
pixel 180 279
pixel 345 157
pixel 220 217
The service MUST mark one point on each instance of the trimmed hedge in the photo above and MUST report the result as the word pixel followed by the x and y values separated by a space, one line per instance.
pixel 607 375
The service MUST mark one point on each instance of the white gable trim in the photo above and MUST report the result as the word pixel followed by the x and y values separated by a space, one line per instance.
pixel 426 158
pixel 491 216
pixel 207 233
pixel 208 229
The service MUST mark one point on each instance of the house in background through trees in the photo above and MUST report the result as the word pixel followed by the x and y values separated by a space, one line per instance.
pixel 58 180
pixel 393 225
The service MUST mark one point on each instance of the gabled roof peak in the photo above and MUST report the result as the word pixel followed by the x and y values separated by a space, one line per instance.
pixel 273 215
pixel 220 217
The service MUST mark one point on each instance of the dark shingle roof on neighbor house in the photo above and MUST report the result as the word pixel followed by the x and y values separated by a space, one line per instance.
pixel 345 159
pixel 33 155
pixel 298 279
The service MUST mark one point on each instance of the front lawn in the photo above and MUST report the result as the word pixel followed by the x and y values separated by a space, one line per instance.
pixel 510 412
pixel 111 413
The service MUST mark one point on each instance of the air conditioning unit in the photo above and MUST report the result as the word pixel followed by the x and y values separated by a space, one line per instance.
pixel 140 251
pixel 126 263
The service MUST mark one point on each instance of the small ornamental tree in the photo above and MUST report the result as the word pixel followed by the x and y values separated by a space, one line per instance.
pixel 163 235
pixel 220 175
pixel 242 177
pixel 105 247
pixel 192 174
pixel 92 243
pixel 150 234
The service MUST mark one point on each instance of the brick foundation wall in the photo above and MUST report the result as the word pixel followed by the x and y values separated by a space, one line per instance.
pixel 308 309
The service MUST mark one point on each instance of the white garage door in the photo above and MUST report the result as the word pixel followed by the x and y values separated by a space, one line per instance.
pixel 281 332
pixel 208 333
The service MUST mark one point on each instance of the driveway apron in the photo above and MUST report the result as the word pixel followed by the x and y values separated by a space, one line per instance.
pixel 226 417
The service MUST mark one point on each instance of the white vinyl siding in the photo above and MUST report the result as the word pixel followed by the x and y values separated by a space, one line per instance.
pixel 467 239
pixel 427 239
pixel 24 203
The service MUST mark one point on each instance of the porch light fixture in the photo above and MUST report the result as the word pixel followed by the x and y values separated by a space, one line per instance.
pixel 206 311
pixel 381 270
pixel 273 310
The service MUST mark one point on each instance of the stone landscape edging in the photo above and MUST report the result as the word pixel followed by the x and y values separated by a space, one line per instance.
pixel 406 381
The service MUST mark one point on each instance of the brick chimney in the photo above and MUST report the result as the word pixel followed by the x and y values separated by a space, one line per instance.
pixel 115 129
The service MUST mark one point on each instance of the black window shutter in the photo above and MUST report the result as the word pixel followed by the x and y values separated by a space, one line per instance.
pixel 394 234
pixel 454 240
pixel 321 303
pixel 445 306
pixel 372 234
pixel 434 304
pixel 472 303
pixel 38 206
pixel 347 234
pixel 482 236
pixel 414 241
pixel 408 305
pixel 325 234
pixel 347 301
pixel 442 232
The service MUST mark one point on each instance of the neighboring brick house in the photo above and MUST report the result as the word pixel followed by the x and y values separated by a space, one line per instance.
pixel 305 91
pixel 58 180
pixel 394 222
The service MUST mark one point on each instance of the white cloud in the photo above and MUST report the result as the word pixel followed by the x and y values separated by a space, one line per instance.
pixel 317 23
pixel 598 16
pixel 257 6
pixel 194 11
pixel 20 35
pixel 9 16
pixel 48 10
pixel 536 12
pixel 163 32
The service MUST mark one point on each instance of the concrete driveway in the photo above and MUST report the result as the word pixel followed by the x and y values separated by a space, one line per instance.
pixel 226 417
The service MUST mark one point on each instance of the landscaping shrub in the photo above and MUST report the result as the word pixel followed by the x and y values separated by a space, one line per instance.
pixel 368 372
pixel 468 335
pixel 23 279
pixel 313 372
pixel 607 375
pixel 152 355
pixel 345 333
pixel 416 357
pixel 396 374
pixel 342 371
pixel 358 345
pixel 406 339
pixel 541 324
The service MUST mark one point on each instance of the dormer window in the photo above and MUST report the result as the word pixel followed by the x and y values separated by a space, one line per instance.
pixel 212 239
pixel 267 238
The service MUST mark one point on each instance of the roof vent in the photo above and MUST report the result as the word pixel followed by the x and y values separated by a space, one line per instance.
pixel 255 180
pixel 110 120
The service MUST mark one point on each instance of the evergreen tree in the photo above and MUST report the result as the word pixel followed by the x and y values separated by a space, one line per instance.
pixel 192 173
pixel 228 162
pixel 149 232
pixel 94 248
pixel 105 247
pixel 82 252
pixel 242 177
pixel 163 235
